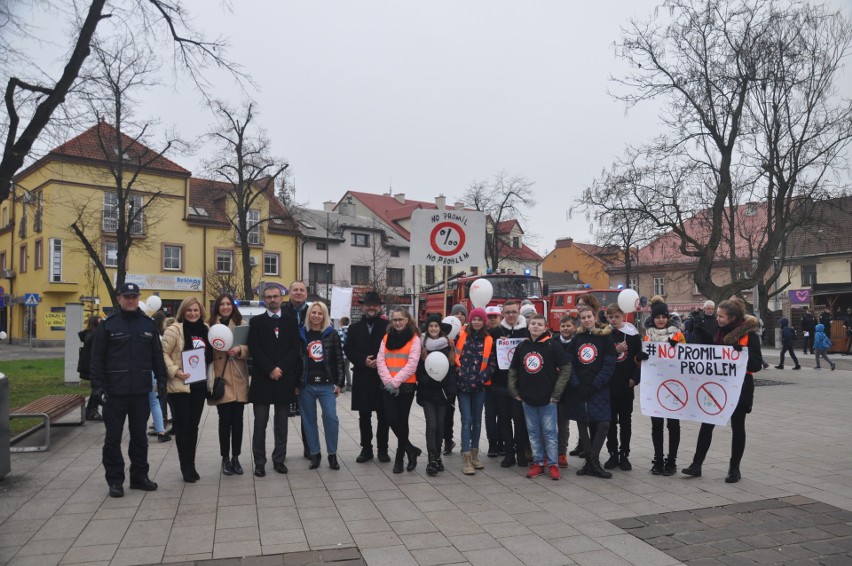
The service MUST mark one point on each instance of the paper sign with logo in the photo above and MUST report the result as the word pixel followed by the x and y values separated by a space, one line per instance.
pixel 447 237
pixel 193 364
pixel 506 351
pixel 691 382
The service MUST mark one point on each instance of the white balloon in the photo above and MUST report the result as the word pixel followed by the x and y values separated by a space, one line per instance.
pixel 3 335
pixel 628 300
pixel 220 337
pixel 154 303
pixel 481 292
pixel 144 306
pixel 437 365
pixel 456 324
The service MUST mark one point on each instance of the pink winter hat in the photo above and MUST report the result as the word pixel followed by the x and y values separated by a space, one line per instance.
pixel 480 312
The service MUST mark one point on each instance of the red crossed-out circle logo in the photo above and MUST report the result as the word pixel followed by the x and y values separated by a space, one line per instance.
pixel 315 350
pixel 587 353
pixel 533 362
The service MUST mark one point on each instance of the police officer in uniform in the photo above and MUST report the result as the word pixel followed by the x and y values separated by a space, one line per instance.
pixel 126 350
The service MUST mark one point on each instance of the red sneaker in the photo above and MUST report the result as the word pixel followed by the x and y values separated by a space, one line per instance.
pixel 563 461
pixel 535 471
pixel 554 472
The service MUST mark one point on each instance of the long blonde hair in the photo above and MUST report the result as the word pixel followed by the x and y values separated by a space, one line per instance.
pixel 326 318
pixel 185 304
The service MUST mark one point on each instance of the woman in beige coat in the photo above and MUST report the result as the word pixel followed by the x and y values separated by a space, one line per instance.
pixel 231 365
pixel 189 332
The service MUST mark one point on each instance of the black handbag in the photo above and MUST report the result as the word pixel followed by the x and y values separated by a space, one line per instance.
pixel 217 391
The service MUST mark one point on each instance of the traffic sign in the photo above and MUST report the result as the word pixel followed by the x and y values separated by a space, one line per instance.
pixel 31 299
pixel 447 237
pixel 2 301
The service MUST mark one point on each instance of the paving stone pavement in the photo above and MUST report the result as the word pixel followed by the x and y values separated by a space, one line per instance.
pixel 54 507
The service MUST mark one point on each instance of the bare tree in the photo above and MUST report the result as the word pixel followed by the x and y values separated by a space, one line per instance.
pixel 228 282
pixel 32 96
pixel 751 116
pixel 378 258
pixel 246 172
pixel 504 197
pixel 120 69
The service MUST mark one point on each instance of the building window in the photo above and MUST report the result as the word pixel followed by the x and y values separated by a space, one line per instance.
pixel 430 275
pixel 39 213
pixel 55 260
pixel 809 275
pixel 135 214
pixel 224 261
pixel 39 254
pixel 2 261
pixel 360 240
pixel 253 225
pixel 395 277
pixel 660 286
pixel 270 264
pixel 23 261
pixel 172 258
pixel 322 246
pixel 633 284
pixel 320 273
pixel 474 270
pixel 5 216
pixel 516 241
pixel 394 252
pixel 360 275
pixel 110 254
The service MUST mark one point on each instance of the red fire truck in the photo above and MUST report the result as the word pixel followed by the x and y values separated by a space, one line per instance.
pixel 561 303
pixel 506 286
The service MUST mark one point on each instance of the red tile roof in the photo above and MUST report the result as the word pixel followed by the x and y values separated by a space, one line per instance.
pixel 524 253
pixel 209 195
pixel 390 210
pixel 89 146
pixel 506 226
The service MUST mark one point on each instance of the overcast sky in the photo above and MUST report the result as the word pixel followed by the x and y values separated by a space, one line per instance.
pixel 424 98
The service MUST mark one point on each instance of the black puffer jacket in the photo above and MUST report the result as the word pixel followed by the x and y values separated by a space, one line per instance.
pixel 593 359
pixel 125 351
pixel 332 355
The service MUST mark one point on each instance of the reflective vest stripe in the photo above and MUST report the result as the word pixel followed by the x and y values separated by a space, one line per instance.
pixel 395 360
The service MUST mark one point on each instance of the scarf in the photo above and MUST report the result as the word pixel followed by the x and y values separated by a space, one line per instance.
pixel 397 340
pixel 435 344
pixel 199 330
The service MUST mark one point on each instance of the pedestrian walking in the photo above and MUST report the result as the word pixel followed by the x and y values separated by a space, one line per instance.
pixel 787 343
pixel 822 344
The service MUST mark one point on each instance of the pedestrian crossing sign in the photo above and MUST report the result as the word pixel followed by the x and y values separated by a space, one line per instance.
pixel 31 299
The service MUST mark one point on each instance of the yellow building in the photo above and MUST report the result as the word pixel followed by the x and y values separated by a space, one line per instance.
pixel 573 262
pixel 184 244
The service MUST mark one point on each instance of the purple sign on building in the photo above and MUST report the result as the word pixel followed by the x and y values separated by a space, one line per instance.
pixel 800 297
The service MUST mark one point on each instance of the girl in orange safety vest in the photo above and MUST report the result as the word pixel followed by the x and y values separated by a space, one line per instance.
pixel 396 363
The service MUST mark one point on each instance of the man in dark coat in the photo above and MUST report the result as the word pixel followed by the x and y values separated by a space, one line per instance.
pixel 808 328
pixel 274 346
pixel 362 347
pixel 297 307
pixel 125 352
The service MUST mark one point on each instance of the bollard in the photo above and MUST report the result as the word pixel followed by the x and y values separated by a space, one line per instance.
pixel 5 453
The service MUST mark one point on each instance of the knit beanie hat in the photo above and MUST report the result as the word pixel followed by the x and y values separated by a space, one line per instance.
pixel 460 308
pixel 659 308
pixel 478 312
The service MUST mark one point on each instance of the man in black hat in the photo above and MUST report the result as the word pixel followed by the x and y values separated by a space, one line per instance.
pixel 125 351
pixel 362 347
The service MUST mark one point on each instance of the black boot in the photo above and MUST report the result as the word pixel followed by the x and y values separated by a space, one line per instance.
pixel 613 461
pixel 384 457
pixel 315 461
pixel 596 470
pixel 332 462
pixel 670 466
pixel 226 466
pixel 236 467
pixel 624 463
pixel 657 467
pixel 585 470
pixel 733 473
pixel 399 462
pixel 522 459
pixel 508 460
pixel 366 455
pixel 577 450
pixel 413 452
pixel 438 462
pixel 432 466
pixel 693 470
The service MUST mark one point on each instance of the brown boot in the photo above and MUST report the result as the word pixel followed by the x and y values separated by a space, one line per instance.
pixel 474 458
pixel 467 464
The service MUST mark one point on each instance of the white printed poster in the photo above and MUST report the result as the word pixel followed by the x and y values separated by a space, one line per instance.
pixel 692 382
pixel 506 351
pixel 341 302
pixel 194 365
pixel 447 237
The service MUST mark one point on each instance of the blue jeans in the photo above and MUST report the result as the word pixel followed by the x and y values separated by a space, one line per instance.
pixel 156 408
pixel 541 421
pixel 470 407
pixel 324 393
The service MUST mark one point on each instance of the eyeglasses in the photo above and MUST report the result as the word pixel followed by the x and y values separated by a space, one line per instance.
pixel 398 320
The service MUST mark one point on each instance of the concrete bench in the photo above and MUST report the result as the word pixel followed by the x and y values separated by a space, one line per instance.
pixel 49 408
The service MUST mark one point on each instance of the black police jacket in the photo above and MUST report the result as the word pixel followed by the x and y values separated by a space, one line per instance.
pixel 125 352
